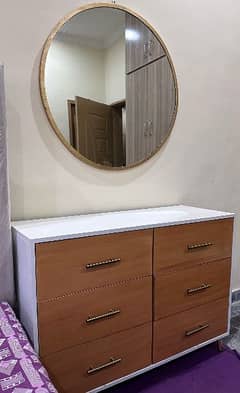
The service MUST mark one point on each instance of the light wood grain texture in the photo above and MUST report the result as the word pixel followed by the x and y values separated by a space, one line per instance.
pixel 161 102
pixel 169 335
pixel 171 243
pixel 144 48
pixel 150 109
pixel 136 116
pixel 69 369
pixel 63 323
pixel 176 290
pixel 62 265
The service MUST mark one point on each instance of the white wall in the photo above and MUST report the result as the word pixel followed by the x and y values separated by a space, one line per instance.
pixel 115 72
pixel 67 67
pixel 198 165
pixel 74 70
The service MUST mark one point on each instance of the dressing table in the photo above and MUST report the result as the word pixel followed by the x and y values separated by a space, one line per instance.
pixel 105 297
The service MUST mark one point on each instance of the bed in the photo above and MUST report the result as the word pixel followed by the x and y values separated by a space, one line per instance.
pixel 20 369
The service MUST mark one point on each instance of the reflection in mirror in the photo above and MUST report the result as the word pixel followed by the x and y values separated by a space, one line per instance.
pixel 109 87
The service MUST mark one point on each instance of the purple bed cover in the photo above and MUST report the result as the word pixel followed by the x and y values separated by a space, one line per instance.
pixel 20 369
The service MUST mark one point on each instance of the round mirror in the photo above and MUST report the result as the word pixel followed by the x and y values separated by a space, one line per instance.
pixel 108 86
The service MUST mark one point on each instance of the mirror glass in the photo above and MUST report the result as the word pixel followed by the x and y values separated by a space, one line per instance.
pixel 109 87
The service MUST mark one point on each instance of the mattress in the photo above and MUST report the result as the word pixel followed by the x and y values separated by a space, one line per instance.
pixel 20 368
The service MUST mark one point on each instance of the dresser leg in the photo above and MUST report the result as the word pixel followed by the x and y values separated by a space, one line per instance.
pixel 220 346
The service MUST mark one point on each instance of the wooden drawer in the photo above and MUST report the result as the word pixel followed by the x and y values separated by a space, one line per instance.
pixel 93 314
pixel 176 290
pixel 70 265
pixel 72 371
pixel 187 243
pixel 185 330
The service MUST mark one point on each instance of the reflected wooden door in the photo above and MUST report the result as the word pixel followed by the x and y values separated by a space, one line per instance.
pixel 94 131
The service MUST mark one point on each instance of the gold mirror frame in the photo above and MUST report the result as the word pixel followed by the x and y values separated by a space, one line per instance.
pixel 43 92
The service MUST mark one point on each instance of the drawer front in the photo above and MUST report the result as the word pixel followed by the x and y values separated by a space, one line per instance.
pixel 93 314
pixel 181 289
pixel 70 265
pixel 82 368
pixel 178 244
pixel 185 330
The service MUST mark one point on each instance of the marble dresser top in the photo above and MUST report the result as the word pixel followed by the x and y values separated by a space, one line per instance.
pixel 51 229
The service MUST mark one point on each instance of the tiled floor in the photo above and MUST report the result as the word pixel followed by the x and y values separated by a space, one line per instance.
pixel 233 341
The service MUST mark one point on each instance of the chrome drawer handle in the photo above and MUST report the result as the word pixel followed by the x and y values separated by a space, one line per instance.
pixel 198 329
pixel 112 362
pixel 201 245
pixel 203 287
pixel 109 314
pixel 102 263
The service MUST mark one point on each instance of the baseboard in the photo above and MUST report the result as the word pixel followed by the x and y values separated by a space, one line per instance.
pixel 236 295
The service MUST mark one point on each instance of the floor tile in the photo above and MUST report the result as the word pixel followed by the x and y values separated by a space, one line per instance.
pixel 233 340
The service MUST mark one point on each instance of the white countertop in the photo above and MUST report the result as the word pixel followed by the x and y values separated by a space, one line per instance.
pixel 51 229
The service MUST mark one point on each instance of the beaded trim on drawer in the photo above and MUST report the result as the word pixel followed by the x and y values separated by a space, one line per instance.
pixel 86 291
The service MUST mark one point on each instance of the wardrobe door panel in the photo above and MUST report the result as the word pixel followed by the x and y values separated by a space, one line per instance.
pixel 161 102
pixel 142 47
pixel 150 109
pixel 136 116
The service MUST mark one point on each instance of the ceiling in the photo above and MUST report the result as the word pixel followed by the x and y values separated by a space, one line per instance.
pixel 97 28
